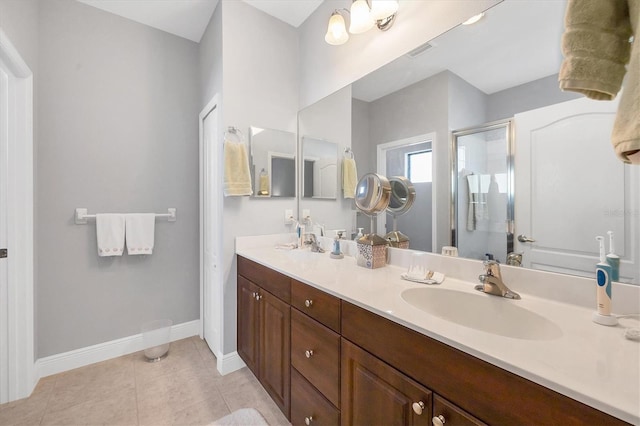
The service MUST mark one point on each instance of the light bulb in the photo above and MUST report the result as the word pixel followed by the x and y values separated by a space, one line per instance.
pixel 361 20
pixel 337 30
pixel 382 9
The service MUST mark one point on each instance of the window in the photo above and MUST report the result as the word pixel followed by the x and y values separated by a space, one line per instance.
pixel 418 166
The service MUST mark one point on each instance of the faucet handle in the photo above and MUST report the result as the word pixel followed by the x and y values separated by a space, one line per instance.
pixel 492 267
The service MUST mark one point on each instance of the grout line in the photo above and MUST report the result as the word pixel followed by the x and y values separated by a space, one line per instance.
pixel 46 407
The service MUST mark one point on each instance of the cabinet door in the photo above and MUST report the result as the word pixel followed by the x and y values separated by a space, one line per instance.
pixel 275 345
pixel 451 415
pixel 373 393
pixel 248 324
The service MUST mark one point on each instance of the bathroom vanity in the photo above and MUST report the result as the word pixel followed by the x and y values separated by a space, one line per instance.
pixel 327 356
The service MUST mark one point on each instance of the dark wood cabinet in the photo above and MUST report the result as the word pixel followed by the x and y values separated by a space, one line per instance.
pixel 373 393
pixel 325 361
pixel 264 332
pixel 248 323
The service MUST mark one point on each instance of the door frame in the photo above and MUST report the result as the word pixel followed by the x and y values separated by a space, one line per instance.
pixel 381 167
pixel 212 107
pixel 21 378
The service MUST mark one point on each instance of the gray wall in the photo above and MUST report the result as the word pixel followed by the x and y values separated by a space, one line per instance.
pixel 210 59
pixel 528 96
pixel 117 133
pixel 260 88
pixel 330 120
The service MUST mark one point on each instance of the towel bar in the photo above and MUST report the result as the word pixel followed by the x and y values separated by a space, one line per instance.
pixel 81 215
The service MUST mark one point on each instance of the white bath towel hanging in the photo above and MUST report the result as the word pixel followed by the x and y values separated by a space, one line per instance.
pixel 140 233
pixel 110 230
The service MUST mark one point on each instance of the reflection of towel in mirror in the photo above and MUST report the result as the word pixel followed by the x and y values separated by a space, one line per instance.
pixel 596 49
pixel 237 179
pixel 349 177
pixel 477 202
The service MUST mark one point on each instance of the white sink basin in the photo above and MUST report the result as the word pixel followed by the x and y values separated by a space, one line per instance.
pixel 491 314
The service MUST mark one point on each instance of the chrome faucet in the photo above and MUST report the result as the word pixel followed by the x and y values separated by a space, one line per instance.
pixel 311 240
pixel 492 281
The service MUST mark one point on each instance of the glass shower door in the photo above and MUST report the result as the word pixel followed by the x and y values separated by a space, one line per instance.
pixel 482 191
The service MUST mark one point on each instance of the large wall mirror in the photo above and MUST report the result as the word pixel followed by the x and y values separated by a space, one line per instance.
pixel 566 187
pixel 273 162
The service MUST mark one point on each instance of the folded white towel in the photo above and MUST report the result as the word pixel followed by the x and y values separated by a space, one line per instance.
pixel 110 232
pixel 237 178
pixel 140 233
pixel 349 177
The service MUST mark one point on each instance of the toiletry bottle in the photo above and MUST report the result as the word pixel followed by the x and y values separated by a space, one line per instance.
pixel 300 237
pixel 336 253
pixel 603 281
pixel 613 259
pixel 359 234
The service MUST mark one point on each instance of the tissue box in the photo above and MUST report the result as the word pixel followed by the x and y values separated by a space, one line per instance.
pixel 372 252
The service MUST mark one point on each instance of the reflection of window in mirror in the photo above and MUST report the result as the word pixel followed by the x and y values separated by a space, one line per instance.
pixel 419 166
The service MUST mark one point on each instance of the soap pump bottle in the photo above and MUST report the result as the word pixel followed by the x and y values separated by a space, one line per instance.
pixel 336 253
pixel 613 259
pixel 603 291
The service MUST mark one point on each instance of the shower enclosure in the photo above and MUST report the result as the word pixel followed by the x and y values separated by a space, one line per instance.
pixel 482 196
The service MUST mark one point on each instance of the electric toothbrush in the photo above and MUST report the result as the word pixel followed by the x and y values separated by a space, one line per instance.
pixel 613 259
pixel 603 291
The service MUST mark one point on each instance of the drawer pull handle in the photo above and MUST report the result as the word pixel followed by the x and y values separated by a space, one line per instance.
pixel 308 303
pixel 418 407
pixel 308 420
pixel 438 421
pixel 308 353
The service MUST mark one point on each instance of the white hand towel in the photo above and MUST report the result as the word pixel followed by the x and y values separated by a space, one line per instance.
pixel 110 232
pixel 140 233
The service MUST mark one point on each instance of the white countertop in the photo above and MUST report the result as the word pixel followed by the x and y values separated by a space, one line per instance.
pixel 591 363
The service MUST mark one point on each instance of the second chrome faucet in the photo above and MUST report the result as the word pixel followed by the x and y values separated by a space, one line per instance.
pixel 492 281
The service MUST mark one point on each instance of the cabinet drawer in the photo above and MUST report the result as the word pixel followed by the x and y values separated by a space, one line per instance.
pixel 308 403
pixel 453 415
pixel 319 305
pixel 273 281
pixel 315 353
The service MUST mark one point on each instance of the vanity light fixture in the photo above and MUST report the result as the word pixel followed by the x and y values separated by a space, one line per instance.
pixel 473 19
pixel 381 13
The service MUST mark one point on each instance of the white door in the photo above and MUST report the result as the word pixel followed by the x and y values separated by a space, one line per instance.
pixel 4 285
pixel 571 188
pixel 211 231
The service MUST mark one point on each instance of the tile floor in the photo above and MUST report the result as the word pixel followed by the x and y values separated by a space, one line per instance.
pixel 183 389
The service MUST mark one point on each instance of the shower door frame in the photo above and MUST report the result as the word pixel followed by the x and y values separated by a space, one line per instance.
pixel 510 147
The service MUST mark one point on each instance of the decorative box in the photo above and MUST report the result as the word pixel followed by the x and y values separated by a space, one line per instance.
pixel 372 251
pixel 397 239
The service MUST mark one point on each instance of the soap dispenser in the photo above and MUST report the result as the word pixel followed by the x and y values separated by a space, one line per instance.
pixel 336 253
pixel 603 289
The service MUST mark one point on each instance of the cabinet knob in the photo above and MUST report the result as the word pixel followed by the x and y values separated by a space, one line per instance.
pixel 438 420
pixel 258 296
pixel 308 303
pixel 308 353
pixel 418 407
pixel 254 294
pixel 308 420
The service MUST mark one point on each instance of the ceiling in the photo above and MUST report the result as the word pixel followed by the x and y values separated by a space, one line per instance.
pixel 516 42
pixel 189 18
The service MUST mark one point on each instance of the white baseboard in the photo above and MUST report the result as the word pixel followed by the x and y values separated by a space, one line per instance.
pixel 229 363
pixel 101 352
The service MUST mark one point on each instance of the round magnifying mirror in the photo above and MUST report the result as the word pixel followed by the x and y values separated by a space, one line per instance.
pixel 403 194
pixel 372 193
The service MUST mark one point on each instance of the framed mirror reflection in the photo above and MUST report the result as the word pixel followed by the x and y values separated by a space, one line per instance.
pixel 273 162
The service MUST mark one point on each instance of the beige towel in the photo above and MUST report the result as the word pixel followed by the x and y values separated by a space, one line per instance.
pixel 349 177
pixel 237 178
pixel 626 129
pixel 596 49
pixel 595 45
